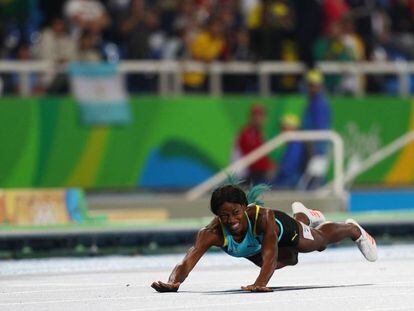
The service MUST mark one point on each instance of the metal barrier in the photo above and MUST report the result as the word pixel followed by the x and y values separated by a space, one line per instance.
pixel 269 146
pixel 379 155
pixel 170 73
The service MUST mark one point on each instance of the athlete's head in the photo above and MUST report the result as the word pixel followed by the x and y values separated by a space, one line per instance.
pixel 231 193
pixel 229 204
pixel 227 193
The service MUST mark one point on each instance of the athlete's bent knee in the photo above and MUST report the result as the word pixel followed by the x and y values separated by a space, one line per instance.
pixel 322 248
pixel 295 260
pixel 324 243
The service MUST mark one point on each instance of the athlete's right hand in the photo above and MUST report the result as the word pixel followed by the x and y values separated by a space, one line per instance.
pixel 165 287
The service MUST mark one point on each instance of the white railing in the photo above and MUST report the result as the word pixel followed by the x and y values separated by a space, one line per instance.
pixel 379 155
pixel 269 146
pixel 171 72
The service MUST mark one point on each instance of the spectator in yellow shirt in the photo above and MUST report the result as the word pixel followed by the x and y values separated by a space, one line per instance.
pixel 207 46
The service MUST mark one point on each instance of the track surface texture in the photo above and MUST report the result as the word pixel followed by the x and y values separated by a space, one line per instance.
pixel 336 279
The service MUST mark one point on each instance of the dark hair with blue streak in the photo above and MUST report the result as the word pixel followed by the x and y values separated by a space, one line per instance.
pixel 234 194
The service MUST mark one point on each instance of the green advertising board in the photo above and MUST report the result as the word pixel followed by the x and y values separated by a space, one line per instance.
pixel 178 142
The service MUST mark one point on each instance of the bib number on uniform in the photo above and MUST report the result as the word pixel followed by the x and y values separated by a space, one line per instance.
pixel 307 233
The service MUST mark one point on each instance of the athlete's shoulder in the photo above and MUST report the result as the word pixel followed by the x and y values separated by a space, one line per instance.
pixel 252 209
pixel 212 232
pixel 264 216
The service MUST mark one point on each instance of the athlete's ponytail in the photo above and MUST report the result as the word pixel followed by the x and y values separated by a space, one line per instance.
pixel 255 193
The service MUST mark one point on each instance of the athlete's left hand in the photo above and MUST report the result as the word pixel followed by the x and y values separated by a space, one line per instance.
pixel 162 287
pixel 256 289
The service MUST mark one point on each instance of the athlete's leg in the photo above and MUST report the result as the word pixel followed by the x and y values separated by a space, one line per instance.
pixel 302 218
pixel 366 243
pixel 312 218
pixel 317 239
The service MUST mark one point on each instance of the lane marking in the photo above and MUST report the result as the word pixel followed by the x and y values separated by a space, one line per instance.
pixel 70 300
pixel 61 290
pixel 278 300
pixel 287 300
pixel 59 284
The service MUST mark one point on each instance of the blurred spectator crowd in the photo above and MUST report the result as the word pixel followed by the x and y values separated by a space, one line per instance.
pixel 206 30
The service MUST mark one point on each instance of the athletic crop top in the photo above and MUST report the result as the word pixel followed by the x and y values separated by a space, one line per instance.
pixel 251 244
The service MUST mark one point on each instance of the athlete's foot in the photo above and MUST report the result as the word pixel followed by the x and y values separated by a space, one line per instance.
pixel 366 243
pixel 315 217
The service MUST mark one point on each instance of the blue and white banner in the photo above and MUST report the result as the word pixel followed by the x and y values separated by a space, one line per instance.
pixel 100 91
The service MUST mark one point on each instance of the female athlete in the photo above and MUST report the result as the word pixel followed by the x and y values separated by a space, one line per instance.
pixel 269 238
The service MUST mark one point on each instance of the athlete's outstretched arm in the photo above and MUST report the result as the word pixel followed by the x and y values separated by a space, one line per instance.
pixel 206 238
pixel 269 253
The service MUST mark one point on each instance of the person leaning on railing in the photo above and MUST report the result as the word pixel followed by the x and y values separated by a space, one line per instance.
pixel 292 164
pixel 317 116
pixel 250 138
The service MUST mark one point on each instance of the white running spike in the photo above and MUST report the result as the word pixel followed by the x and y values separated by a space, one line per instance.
pixel 366 243
pixel 315 217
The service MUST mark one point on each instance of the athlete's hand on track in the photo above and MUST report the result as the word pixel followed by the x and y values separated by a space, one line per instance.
pixel 165 287
pixel 256 289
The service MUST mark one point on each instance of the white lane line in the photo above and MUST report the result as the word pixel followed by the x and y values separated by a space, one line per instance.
pixel 393 309
pixel 70 300
pixel 289 300
pixel 198 306
pixel 56 284
pixel 61 290
pixel 395 283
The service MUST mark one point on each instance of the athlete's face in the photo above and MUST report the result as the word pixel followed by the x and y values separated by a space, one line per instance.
pixel 232 216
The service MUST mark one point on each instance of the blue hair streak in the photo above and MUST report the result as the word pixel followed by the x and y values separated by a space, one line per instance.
pixel 255 193
pixel 234 180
